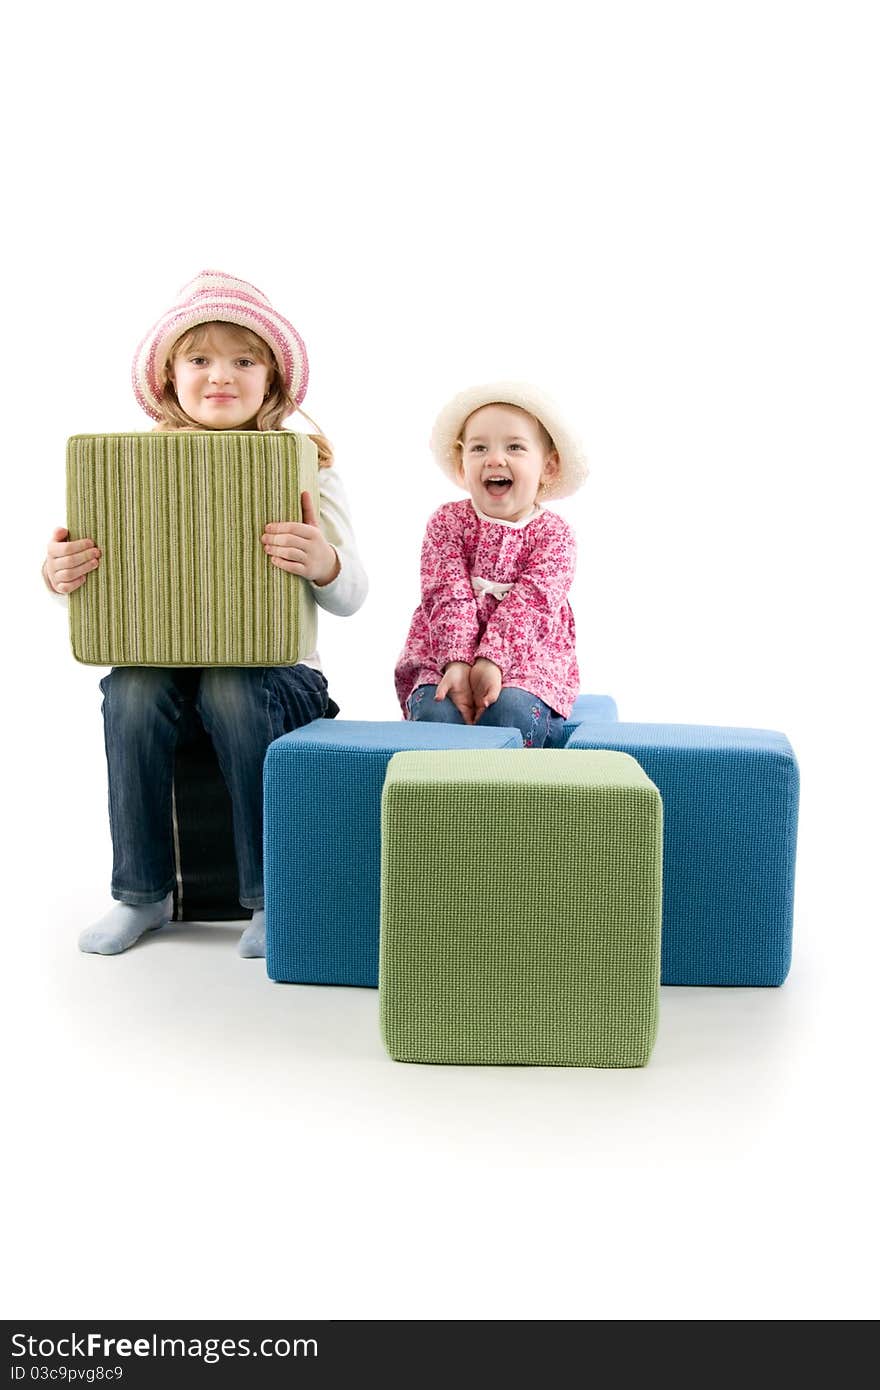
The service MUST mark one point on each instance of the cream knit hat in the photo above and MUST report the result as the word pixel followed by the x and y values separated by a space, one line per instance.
pixel 450 422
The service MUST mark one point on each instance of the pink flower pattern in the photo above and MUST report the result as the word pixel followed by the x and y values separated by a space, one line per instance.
pixel 529 633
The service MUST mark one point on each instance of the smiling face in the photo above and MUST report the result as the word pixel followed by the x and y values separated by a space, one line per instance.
pixel 505 456
pixel 220 379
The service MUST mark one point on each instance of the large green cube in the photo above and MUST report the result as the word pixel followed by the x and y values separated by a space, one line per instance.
pixel 520 917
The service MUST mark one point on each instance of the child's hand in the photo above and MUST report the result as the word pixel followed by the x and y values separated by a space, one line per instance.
pixel 456 683
pixel 68 563
pixel 300 547
pixel 485 684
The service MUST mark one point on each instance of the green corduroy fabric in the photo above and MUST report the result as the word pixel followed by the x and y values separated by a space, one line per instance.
pixel 183 578
pixel 521 902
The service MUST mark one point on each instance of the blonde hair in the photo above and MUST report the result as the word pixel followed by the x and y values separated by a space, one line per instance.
pixel 275 408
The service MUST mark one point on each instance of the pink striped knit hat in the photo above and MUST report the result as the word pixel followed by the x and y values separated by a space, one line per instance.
pixel 213 296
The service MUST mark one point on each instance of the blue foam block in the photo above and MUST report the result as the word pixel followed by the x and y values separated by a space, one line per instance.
pixel 322 790
pixel 589 709
pixel 730 809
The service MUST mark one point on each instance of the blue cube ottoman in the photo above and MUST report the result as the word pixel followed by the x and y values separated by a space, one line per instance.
pixel 589 709
pixel 322 796
pixel 730 809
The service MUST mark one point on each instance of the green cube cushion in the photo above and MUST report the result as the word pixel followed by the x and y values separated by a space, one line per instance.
pixel 521 904
pixel 183 578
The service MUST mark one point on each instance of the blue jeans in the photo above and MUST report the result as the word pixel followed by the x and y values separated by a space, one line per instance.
pixel 539 725
pixel 146 710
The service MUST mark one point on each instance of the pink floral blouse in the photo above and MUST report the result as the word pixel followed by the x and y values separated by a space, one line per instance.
pixel 499 590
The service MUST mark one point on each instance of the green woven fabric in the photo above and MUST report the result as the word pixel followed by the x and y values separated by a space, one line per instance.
pixel 183 578
pixel 521 895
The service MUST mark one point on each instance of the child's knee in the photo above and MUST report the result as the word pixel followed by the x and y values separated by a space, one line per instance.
pixel 509 709
pixel 133 695
pixel 424 708
pixel 230 693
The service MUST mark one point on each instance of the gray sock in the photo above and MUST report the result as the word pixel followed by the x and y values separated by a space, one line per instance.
pixel 253 938
pixel 124 924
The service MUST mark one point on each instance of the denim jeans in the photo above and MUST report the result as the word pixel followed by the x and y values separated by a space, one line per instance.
pixel 146 710
pixel 539 725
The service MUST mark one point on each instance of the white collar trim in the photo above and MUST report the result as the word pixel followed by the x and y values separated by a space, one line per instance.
pixel 511 525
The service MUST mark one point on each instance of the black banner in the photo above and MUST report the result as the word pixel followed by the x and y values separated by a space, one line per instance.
pixel 138 1353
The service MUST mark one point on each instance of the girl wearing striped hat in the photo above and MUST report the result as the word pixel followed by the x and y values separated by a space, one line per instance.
pixel 221 358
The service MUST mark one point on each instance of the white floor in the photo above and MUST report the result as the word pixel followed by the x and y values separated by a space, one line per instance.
pixel 186 1138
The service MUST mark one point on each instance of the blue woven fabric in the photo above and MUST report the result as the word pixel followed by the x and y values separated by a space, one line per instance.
pixel 322 790
pixel 730 808
pixel 589 709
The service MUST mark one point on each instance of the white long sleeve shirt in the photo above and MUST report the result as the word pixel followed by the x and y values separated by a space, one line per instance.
pixel 344 594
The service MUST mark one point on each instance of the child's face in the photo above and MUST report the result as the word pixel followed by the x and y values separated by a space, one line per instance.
pixel 504 460
pixel 220 384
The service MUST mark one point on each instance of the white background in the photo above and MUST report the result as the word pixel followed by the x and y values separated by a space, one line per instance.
pixel 667 215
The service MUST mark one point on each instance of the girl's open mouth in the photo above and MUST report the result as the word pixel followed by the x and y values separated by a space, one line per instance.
pixel 496 487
